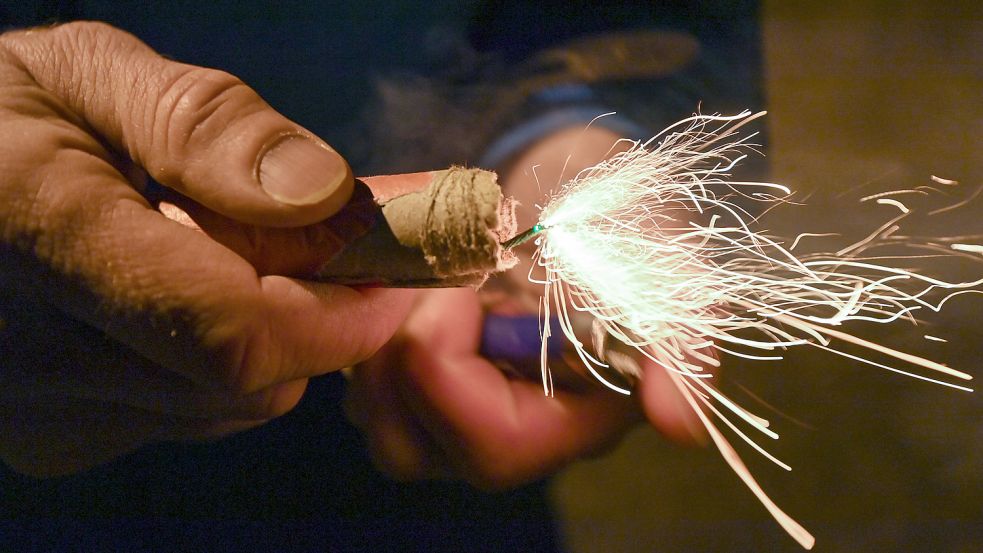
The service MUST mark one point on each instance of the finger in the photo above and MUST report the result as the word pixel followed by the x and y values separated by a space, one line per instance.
pixel 199 131
pixel 666 408
pixel 174 295
pixel 397 444
pixel 93 247
pixel 503 432
pixel 298 252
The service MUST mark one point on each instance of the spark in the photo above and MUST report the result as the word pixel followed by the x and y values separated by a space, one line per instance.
pixel 808 234
pixel 893 193
pixel 888 201
pixel 972 248
pixel 655 245
pixel 948 182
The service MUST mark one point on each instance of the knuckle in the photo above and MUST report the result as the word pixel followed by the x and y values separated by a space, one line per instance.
pixel 242 355
pixel 51 223
pixel 195 106
pixel 84 30
pixel 72 31
pixel 362 341
pixel 8 41
pixel 376 333
pixel 216 350
pixel 77 50
pixel 237 375
pixel 73 49
pixel 366 345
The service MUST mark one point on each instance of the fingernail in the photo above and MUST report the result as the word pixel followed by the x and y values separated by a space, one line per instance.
pixel 299 171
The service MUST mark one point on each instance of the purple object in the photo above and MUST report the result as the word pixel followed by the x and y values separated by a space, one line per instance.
pixel 516 337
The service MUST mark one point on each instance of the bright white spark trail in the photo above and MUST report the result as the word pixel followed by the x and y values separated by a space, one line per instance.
pixel 654 245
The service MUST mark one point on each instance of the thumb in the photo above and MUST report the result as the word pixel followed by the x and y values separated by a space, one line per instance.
pixel 198 131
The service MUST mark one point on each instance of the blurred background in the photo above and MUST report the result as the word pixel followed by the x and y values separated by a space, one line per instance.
pixel 862 97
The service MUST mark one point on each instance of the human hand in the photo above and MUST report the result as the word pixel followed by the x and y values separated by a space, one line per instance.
pixel 431 407
pixel 119 327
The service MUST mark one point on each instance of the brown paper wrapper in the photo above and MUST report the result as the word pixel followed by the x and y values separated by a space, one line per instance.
pixel 436 229
pixel 440 231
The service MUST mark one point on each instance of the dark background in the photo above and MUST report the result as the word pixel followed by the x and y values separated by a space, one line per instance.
pixel 863 97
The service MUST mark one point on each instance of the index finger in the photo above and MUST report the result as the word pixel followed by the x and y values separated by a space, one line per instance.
pixel 102 254
pixel 200 131
pixel 297 252
pixel 503 431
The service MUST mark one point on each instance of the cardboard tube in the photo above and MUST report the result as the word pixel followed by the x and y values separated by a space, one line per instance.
pixel 434 229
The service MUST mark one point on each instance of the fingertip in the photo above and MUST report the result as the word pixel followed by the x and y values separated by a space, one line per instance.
pixel 447 321
pixel 389 305
pixel 313 328
pixel 666 408
pixel 302 172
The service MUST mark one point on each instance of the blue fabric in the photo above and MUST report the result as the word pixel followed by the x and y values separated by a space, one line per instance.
pixel 517 338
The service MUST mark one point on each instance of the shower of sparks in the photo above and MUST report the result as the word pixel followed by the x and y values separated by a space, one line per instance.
pixel 655 246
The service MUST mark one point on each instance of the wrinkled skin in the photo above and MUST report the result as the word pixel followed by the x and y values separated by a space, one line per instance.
pixel 119 327
pixel 182 337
